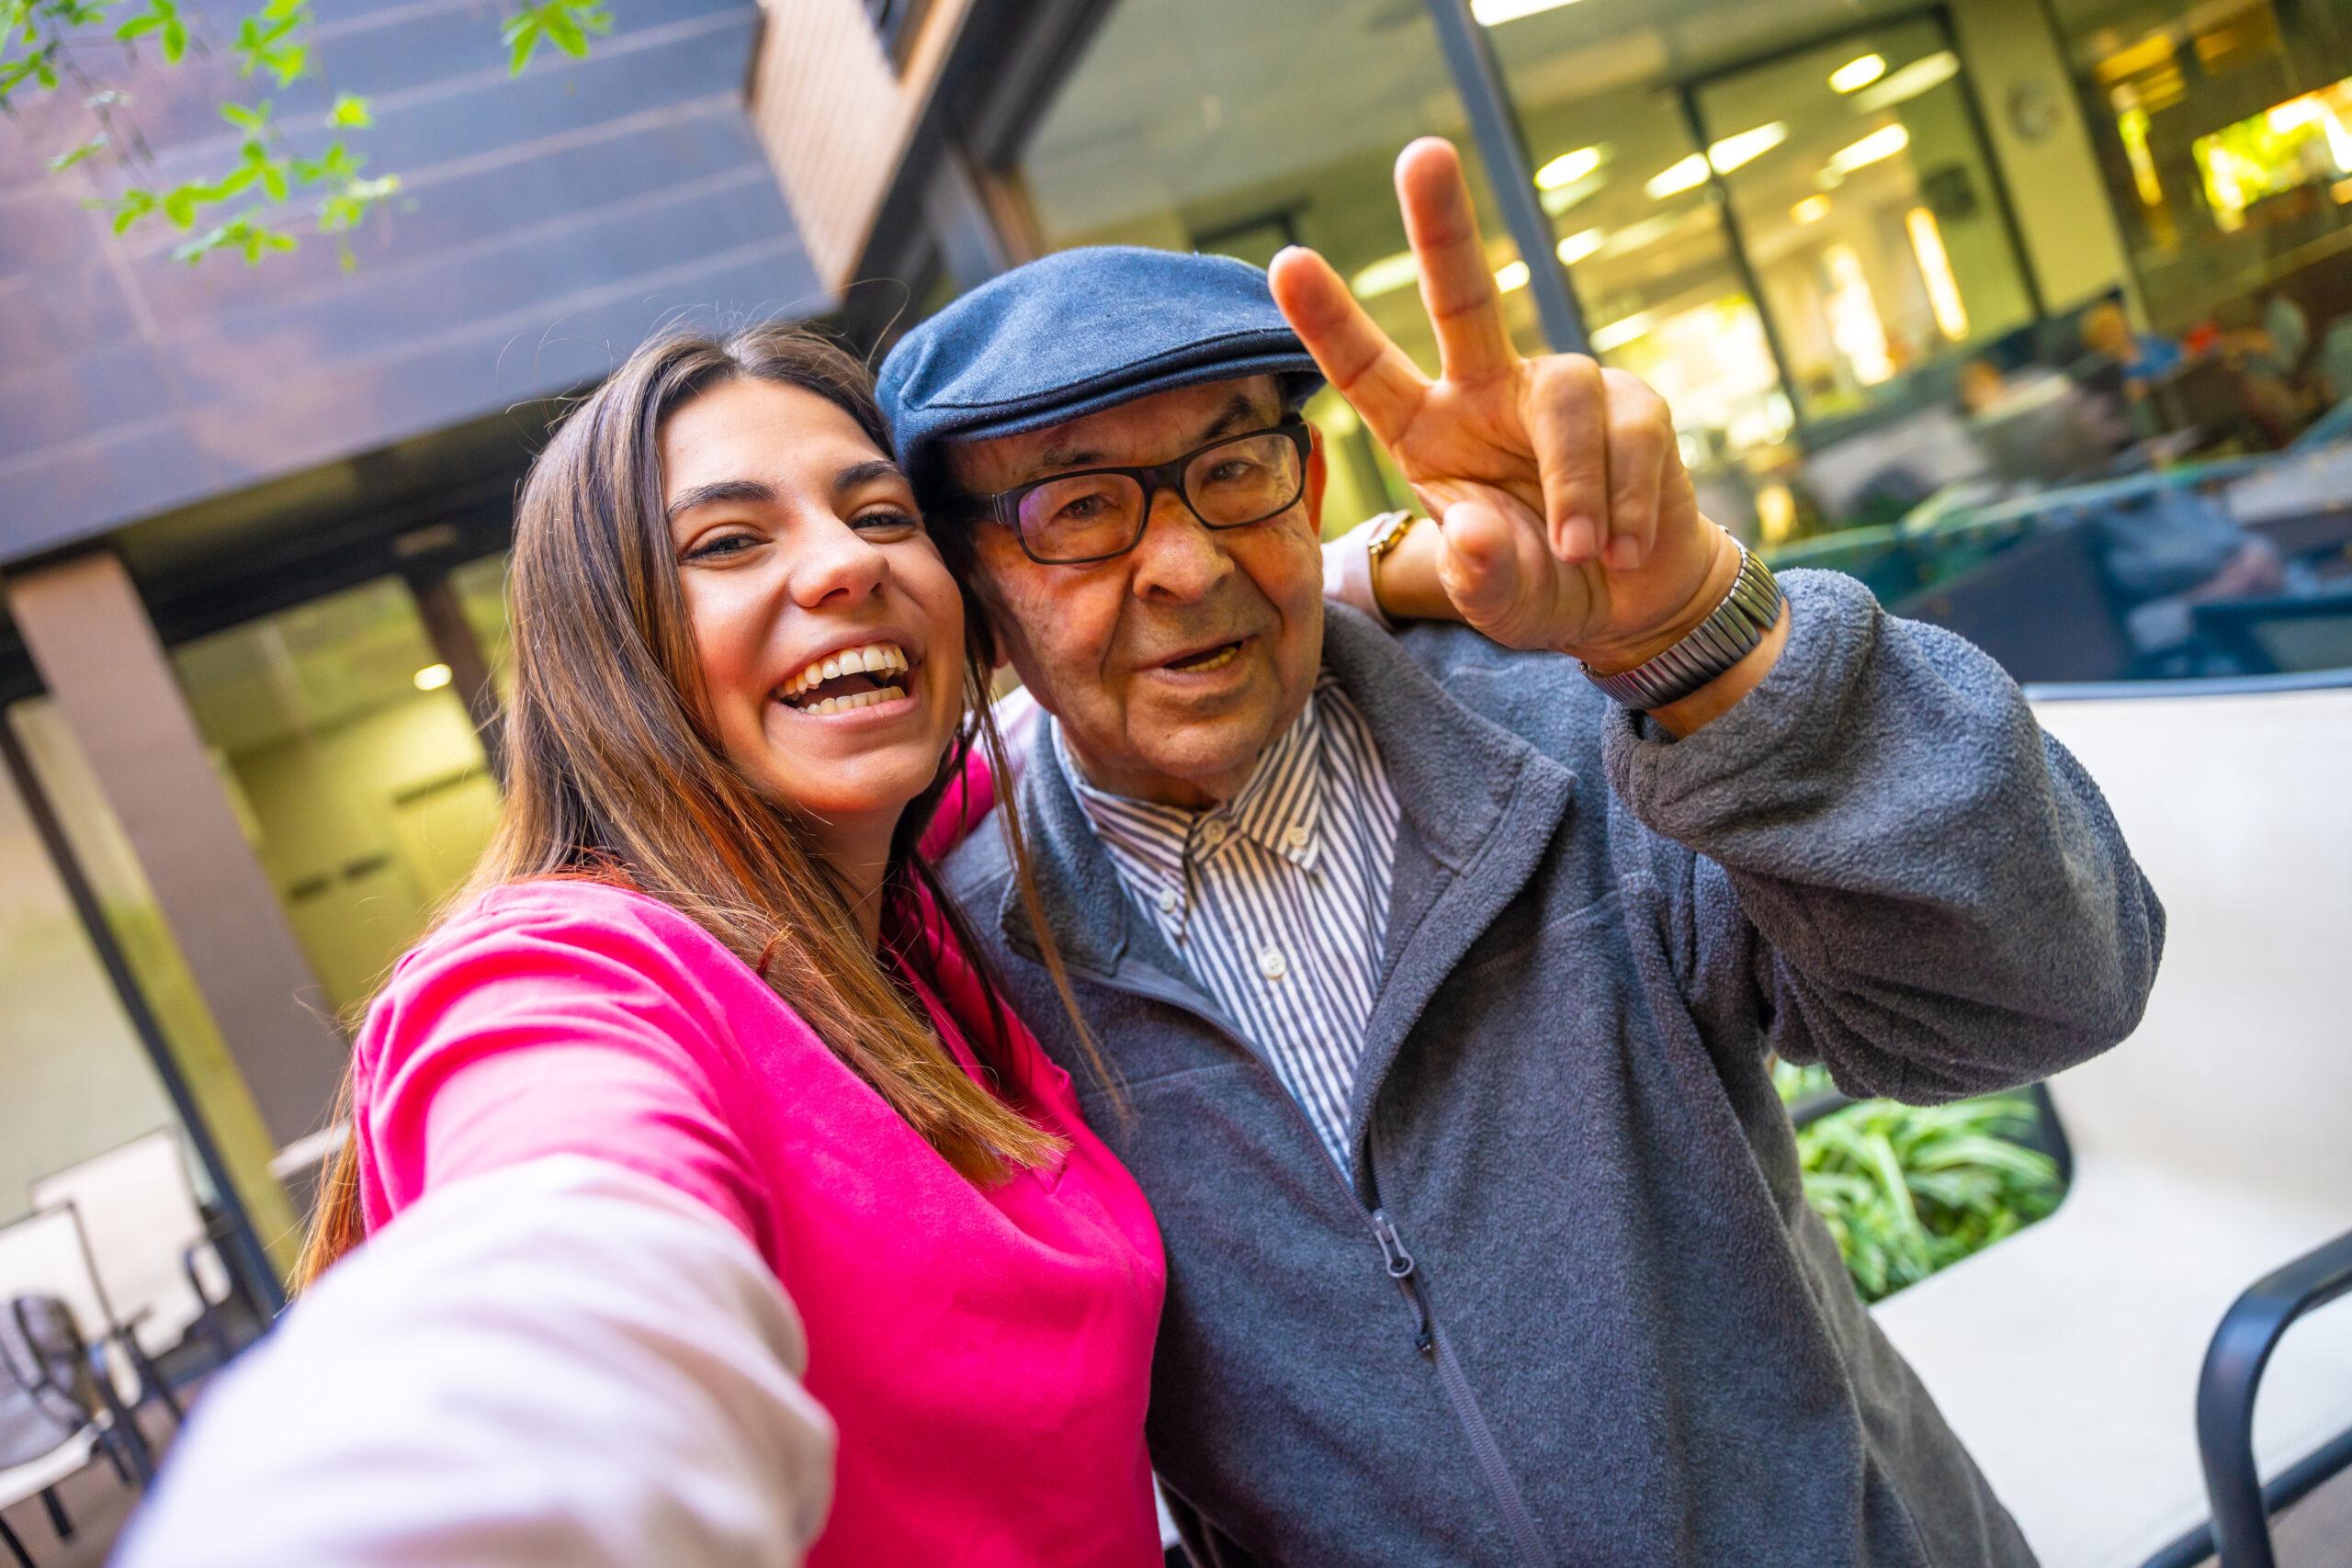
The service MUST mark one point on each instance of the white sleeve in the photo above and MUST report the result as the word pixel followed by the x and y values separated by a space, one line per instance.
pixel 559 1363
pixel 1347 570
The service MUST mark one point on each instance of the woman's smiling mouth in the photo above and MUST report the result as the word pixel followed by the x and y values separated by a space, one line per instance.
pixel 851 680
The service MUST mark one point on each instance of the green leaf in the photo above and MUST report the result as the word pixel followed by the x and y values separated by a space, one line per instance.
pixel 180 206
pixel 74 155
pixel 145 23
pixel 350 111
pixel 251 119
pixel 174 39
pixel 272 180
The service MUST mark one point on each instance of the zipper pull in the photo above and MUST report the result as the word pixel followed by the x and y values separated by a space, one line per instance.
pixel 1392 1247
pixel 1400 1268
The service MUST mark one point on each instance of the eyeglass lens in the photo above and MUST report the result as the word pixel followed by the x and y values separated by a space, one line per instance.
pixel 1087 517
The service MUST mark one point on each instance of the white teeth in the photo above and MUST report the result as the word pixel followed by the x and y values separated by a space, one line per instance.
pixel 856 700
pixel 874 658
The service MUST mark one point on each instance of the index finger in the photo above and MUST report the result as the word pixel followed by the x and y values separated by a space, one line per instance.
pixel 1362 366
pixel 1457 285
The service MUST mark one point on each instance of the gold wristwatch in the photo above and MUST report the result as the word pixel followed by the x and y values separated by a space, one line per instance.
pixel 1386 535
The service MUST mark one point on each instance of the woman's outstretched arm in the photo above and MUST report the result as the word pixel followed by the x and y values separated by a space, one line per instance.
pixel 561 1362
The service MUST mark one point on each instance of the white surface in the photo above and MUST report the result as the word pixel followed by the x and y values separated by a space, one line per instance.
pixel 561 1364
pixel 36 1476
pixel 139 1211
pixel 2210 1147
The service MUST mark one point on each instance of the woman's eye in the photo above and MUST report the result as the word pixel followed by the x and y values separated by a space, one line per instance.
pixel 889 523
pixel 722 546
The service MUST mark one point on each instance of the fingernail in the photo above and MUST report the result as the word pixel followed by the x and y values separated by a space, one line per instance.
pixel 1577 538
pixel 1624 554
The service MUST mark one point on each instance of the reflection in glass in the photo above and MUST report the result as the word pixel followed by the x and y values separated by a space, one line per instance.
pixel 1872 222
pixel 358 778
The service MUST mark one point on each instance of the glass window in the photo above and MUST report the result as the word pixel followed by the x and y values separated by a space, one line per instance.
pixel 74 1080
pixel 354 765
pixel 480 587
pixel 2222 132
pixel 1869 213
pixel 136 922
pixel 1238 127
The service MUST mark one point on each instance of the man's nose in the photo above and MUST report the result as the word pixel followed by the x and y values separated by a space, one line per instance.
pixel 1178 558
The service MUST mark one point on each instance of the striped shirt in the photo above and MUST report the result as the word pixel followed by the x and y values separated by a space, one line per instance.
pixel 1278 898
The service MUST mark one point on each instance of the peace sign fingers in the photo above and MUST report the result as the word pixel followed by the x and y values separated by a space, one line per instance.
pixel 1457 285
pixel 1356 356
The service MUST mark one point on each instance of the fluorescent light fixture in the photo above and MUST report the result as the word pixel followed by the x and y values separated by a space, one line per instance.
pixel 1908 82
pixel 1853 318
pixel 1385 277
pixel 433 677
pixel 1495 13
pixel 1935 267
pixel 1511 276
pixel 1634 236
pixel 1882 143
pixel 1555 202
pixel 1620 333
pixel 1733 152
pixel 1683 174
pixel 1857 72
pixel 1569 168
pixel 1577 246
pixel 1812 209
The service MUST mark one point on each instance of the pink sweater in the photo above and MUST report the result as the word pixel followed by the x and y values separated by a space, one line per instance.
pixel 985 1353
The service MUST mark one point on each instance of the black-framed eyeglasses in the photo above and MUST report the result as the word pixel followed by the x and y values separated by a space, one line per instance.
pixel 1094 514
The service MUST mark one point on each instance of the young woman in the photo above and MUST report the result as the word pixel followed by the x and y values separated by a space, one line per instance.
pixel 702 1027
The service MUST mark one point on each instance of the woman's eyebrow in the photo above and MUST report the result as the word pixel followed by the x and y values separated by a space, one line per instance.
pixel 749 491
pixel 861 474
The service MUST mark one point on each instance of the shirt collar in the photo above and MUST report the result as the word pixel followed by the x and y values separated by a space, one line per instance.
pixel 1279 806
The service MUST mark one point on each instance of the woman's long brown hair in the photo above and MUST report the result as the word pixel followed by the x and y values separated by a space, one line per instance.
pixel 615 773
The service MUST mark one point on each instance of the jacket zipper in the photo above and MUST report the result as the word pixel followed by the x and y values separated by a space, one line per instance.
pixel 1429 1335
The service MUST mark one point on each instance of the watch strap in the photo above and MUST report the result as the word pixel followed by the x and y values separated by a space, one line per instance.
pixel 1730 634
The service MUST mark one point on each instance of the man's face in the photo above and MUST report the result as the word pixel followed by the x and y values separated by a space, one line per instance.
pixel 1172 667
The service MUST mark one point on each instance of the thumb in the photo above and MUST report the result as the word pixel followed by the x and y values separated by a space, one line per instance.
pixel 1474 560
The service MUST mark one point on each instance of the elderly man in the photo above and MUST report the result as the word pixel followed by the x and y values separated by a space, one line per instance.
pixel 1441 981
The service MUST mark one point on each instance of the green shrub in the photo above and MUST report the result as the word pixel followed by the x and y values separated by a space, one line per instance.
pixel 1905 1190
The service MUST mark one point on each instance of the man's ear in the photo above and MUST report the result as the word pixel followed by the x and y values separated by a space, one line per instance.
pixel 1319 475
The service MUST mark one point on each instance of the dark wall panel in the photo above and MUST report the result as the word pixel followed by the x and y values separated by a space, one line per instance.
pixel 545 226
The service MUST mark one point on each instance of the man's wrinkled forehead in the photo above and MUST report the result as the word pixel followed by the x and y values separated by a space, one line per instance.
pixel 1151 429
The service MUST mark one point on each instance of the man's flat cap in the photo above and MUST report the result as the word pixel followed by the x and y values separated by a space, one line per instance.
pixel 1078 332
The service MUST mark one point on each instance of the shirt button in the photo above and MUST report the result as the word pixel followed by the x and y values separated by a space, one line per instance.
pixel 1168 900
pixel 1271 964
pixel 1296 837
pixel 1212 834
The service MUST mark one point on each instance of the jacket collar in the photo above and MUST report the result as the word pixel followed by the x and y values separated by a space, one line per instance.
pixel 1457 777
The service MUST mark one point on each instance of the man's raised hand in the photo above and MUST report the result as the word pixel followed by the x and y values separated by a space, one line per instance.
pixel 1569 521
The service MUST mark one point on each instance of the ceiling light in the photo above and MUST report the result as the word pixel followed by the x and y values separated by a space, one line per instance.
pixel 1558 201
pixel 1909 82
pixel 433 677
pixel 1683 174
pixel 1812 209
pixel 1935 268
pixel 1620 333
pixel 1385 275
pixel 1857 72
pixel 1495 13
pixel 1733 152
pixel 1511 276
pixel 1575 247
pixel 1883 142
pixel 1569 168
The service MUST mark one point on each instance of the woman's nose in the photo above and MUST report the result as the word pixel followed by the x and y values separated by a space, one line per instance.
pixel 839 563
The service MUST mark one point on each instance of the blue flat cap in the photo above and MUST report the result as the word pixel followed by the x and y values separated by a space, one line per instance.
pixel 1078 332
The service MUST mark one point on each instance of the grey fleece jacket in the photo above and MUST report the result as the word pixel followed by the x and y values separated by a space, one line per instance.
pixel 1568 1304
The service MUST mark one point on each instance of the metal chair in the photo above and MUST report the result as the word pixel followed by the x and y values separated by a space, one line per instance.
pixel 151 1249
pixel 45 1256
